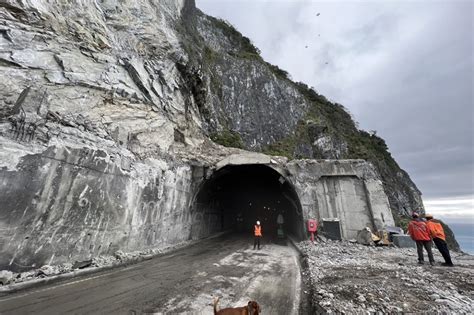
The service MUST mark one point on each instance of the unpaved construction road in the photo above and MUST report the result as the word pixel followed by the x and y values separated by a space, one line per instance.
pixel 183 281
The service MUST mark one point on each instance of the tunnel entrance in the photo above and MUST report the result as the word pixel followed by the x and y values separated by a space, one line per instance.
pixel 236 196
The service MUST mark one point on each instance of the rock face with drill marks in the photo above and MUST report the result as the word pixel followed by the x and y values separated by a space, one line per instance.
pixel 106 115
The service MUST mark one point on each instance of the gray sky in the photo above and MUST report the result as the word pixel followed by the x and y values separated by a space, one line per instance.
pixel 402 68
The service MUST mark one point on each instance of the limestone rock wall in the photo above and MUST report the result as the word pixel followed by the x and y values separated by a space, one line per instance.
pixel 91 105
pixel 244 94
pixel 88 66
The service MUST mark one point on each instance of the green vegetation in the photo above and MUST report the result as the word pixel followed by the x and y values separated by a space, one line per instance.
pixel 228 138
pixel 340 125
pixel 335 116
pixel 322 117
pixel 287 146
pixel 401 221
pixel 278 72
pixel 247 49
pixel 245 55
pixel 367 146
pixel 309 93
pixel 244 43
pixel 284 147
pixel 332 119
pixel 209 56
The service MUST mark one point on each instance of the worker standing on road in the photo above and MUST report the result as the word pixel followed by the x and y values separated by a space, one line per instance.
pixel 257 235
pixel 419 233
pixel 437 233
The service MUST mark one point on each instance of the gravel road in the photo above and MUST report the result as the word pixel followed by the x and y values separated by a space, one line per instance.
pixel 355 279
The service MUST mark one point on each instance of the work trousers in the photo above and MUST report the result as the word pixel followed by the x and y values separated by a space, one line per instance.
pixel 256 242
pixel 427 246
pixel 443 249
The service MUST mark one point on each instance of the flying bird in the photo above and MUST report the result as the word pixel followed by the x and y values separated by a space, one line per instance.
pixel 318 14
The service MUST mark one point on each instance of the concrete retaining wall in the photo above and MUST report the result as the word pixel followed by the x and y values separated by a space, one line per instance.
pixel 347 189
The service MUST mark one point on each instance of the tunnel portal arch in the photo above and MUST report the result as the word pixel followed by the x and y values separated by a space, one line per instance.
pixel 236 195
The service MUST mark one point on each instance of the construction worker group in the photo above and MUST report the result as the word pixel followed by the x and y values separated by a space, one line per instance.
pixel 425 230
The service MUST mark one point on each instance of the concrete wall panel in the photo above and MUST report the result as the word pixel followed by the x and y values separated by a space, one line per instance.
pixel 348 190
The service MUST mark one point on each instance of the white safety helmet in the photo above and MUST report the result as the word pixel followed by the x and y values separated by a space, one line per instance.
pixel 258 222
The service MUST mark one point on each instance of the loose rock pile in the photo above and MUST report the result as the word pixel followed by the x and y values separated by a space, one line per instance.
pixel 353 278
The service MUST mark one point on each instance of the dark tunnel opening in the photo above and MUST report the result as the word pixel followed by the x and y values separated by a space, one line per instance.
pixel 236 196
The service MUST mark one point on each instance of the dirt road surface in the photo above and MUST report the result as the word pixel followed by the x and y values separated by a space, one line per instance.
pixel 184 281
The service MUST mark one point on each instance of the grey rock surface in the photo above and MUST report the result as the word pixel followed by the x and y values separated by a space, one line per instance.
pixel 403 241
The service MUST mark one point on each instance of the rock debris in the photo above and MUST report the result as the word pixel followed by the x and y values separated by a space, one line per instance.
pixel 345 277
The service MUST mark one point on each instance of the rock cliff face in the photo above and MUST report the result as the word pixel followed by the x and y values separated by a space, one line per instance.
pixel 250 98
pixel 106 114
pixel 92 104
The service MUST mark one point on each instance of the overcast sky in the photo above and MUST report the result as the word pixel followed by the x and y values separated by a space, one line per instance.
pixel 402 68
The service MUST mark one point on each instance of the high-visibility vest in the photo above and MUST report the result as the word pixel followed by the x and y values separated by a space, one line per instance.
pixel 436 229
pixel 418 231
pixel 258 230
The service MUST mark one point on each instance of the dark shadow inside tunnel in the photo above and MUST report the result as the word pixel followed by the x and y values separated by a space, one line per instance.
pixel 236 196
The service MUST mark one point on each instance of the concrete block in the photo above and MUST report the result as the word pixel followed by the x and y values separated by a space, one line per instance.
pixel 403 241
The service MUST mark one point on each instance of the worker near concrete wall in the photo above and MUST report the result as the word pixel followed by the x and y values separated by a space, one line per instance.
pixel 420 234
pixel 257 235
pixel 437 233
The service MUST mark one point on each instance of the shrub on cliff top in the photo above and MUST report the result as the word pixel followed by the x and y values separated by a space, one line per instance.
pixel 228 138
pixel 235 36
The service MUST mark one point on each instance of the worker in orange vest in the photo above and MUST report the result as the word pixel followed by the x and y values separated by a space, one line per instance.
pixel 419 233
pixel 437 233
pixel 257 235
